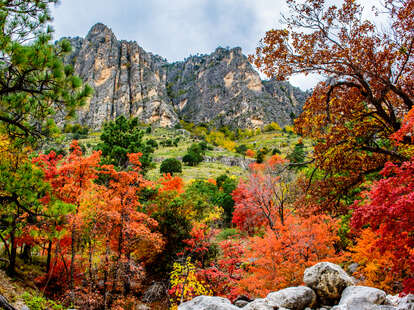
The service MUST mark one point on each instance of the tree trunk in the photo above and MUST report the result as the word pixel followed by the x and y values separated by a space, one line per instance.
pixel 26 254
pixel 49 256
pixel 13 250
pixel 72 264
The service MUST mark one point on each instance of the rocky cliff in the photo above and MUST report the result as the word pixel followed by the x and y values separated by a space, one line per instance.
pixel 221 88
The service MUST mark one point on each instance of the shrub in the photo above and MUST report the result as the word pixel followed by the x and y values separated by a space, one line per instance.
pixel 171 165
pixel 152 143
pixel 298 154
pixel 192 158
pixel 271 127
pixel 241 149
pixel 276 151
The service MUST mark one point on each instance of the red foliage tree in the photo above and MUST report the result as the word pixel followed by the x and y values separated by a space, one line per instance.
pixel 389 211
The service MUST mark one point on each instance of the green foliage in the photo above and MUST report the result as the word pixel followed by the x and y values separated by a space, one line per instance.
pixel 153 143
pixel 260 156
pixel 228 233
pixel 298 154
pixel 194 154
pixel 276 151
pixel 40 303
pixel 241 149
pixel 344 230
pixel 171 165
pixel 34 83
pixel 76 129
pixel 174 227
pixel 121 137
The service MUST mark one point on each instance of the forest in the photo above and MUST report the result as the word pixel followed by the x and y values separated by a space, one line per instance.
pixel 94 227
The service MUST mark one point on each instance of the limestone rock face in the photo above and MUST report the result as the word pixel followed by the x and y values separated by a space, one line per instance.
pixel 221 88
pixel 207 303
pixel 127 80
pixel 328 281
pixel 295 298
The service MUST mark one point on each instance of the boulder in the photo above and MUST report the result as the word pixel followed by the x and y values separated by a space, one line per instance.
pixel 353 294
pixel 258 304
pixel 406 302
pixel 208 303
pixel 295 298
pixel 363 306
pixel 328 281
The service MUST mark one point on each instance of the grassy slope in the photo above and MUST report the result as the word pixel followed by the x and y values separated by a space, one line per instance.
pixel 285 142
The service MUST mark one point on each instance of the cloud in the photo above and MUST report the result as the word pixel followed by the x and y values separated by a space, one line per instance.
pixel 175 29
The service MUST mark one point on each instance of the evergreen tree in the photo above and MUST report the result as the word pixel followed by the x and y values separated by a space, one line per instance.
pixel 34 83
pixel 121 137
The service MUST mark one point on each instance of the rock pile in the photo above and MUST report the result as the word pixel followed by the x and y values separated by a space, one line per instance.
pixel 328 287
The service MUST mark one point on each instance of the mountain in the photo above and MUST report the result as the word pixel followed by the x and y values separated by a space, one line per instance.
pixel 221 88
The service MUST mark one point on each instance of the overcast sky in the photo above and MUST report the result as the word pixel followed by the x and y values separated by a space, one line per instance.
pixel 175 29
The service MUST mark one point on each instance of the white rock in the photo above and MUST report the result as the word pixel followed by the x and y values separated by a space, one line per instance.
pixel 362 294
pixel 406 302
pixel 328 281
pixel 258 304
pixel 207 303
pixel 295 298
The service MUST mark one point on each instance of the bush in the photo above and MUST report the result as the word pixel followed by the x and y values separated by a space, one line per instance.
pixel 152 143
pixel 192 158
pixel 228 233
pixel 271 127
pixel 171 165
pixel 148 130
pixel 241 149
pixel 259 157
pixel 276 151
pixel 298 154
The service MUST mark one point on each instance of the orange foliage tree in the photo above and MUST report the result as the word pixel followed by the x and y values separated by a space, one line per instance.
pixel 107 238
pixel 130 235
pixel 373 264
pixel 367 94
pixel 279 258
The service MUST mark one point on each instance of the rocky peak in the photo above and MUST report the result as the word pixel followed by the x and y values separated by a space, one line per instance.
pixel 221 88
pixel 101 31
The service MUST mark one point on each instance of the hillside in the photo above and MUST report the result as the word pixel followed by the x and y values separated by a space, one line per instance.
pixel 221 88
pixel 217 160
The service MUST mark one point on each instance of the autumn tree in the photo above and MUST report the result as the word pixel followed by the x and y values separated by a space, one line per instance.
pixel 369 87
pixel 128 233
pixel 266 197
pixel 279 258
pixel 388 209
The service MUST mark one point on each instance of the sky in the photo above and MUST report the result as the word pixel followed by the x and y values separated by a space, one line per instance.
pixel 176 29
